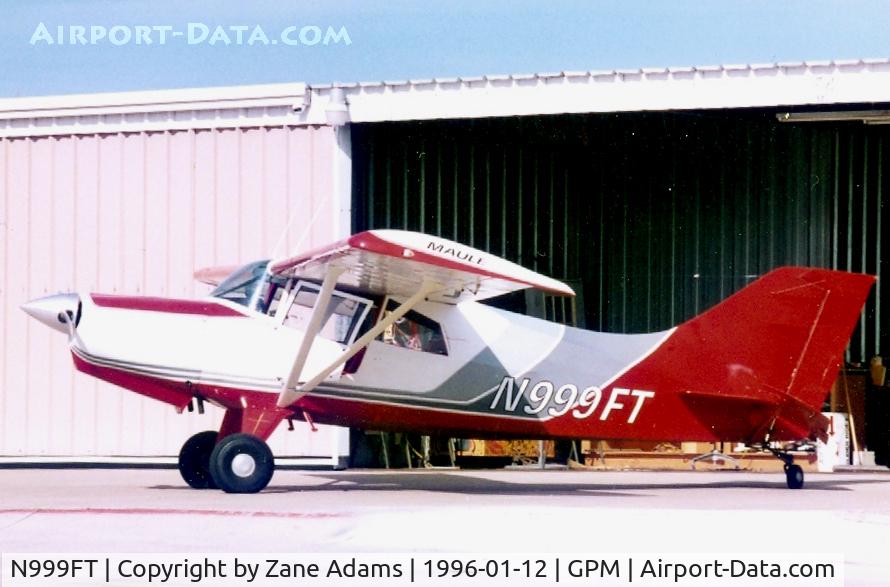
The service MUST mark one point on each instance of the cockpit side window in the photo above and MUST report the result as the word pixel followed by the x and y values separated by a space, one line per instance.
pixel 414 331
pixel 344 313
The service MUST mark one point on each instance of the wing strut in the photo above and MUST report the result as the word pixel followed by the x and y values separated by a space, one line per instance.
pixel 289 395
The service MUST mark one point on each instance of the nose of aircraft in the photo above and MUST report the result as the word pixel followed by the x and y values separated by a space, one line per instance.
pixel 52 310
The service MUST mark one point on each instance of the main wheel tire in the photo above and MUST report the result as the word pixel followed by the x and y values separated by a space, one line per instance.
pixel 794 476
pixel 241 463
pixel 194 460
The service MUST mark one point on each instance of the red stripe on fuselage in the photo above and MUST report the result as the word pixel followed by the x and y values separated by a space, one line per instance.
pixel 166 305
pixel 668 423
pixel 176 392
pixel 671 421
pixel 171 392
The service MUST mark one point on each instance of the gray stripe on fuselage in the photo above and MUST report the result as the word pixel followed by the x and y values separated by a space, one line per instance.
pixel 586 358
pixel 582 358
pixel 463 388
pixel 470 381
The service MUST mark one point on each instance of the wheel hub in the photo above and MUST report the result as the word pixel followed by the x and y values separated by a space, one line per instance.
pixel 243 465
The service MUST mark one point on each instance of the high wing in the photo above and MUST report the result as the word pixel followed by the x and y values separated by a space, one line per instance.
pixel 414 266
pixel 398 262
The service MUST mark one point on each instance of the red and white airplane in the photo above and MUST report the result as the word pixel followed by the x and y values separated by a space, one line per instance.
pixel 384 331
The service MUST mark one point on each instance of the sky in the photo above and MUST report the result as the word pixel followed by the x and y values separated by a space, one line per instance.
pixel 83 46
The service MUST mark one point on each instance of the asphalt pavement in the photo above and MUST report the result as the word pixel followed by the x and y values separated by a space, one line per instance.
pixel 151 510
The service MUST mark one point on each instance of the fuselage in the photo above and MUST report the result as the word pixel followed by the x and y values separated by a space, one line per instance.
pixel 756 366
pixel 383 331
pixel 489 372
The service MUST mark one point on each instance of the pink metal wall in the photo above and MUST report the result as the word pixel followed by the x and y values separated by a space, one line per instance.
pixel 138 213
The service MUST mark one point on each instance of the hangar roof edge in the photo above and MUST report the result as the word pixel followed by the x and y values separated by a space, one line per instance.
pixel 796 83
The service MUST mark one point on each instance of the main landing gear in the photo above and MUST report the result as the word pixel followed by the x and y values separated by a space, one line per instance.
pixel 239 463
pixel 194 460
pixel 237 458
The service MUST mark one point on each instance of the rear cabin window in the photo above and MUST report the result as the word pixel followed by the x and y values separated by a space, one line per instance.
pixel 414 331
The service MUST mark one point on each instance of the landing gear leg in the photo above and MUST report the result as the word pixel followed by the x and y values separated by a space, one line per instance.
pixel 194 460
pixel 793 473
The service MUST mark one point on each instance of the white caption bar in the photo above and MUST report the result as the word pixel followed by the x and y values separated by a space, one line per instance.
pixel 425 569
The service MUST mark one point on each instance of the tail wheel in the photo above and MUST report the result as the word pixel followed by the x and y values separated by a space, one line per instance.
pixel 194 460
pixel 794 476
pixel 241 463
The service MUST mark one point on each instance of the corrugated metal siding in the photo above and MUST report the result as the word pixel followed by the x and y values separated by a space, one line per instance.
pixel 137 213
pixel 658 215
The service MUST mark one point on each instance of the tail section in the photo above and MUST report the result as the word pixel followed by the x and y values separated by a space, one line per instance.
pixel 766 357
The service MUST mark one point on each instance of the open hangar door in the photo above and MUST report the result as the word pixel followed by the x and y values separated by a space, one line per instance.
pixel 657 216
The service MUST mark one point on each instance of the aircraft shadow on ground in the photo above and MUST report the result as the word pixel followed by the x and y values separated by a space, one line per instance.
pixel 472 485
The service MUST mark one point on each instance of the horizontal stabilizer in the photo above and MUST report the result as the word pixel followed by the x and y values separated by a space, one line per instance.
pixel 765 412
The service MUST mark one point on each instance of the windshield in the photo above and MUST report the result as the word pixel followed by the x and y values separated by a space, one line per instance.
pixel 242 285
